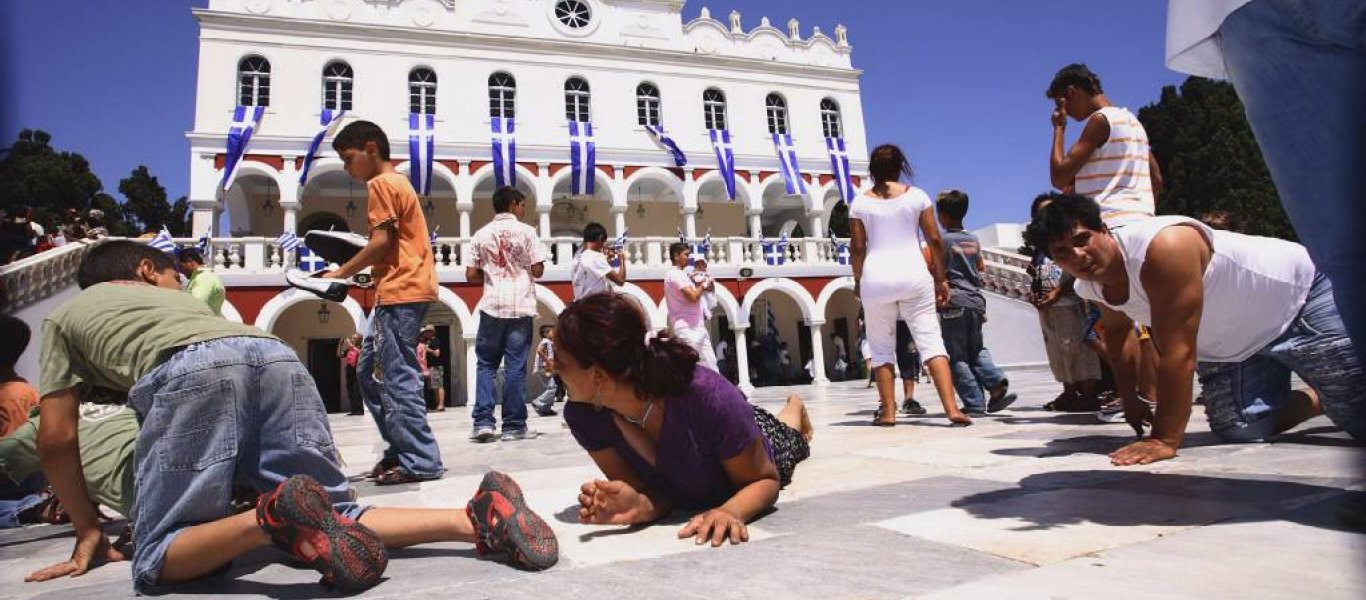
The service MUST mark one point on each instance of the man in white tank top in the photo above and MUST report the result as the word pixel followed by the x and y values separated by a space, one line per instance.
pixel 1111 162
pixel 1251 310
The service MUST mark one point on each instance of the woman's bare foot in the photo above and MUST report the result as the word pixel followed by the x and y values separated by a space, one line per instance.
pixel 794 415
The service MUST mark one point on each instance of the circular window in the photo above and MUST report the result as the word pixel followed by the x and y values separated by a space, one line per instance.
pixel 574 14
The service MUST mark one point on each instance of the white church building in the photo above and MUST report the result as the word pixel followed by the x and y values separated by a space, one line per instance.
pixel 626 67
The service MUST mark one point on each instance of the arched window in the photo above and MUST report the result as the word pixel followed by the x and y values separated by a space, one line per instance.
pixel 647 105
pixel 502 96
pixel 422 91
pixel 253 81
pixel 830 119
pixel 576 97
pixel 776 108
pixel 337 84
pixel 714 108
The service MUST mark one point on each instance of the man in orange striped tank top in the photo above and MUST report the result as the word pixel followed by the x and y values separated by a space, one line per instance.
pixel 1111 162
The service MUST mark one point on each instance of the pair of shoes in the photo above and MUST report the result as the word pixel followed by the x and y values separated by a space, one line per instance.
pixel 381 467
pixel 504 524
pixel 912 408
pixel 1000 403
pixel 483 434
pixel 397 476
pixel 299 518
pixel 547 411
pixel 512 435
pixel 974 412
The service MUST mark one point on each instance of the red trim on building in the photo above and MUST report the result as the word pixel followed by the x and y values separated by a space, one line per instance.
pixel 858 181
pixel 678 171
pixel 221 160
pixel 608 170
pixel 557 167
pixel 453 165
pixel 299 163
pixel 826 179
pixel 699 173
pixel 475 165
pixel 533 167
pixel 743 175
pixel 766 174
pixel 807 177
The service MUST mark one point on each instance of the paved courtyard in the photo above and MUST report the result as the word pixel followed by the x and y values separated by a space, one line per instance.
pixel 1022 505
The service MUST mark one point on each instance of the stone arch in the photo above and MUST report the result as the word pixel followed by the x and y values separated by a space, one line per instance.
pixel 322 166
pixel 808 199
pixel 828 292
pixel 742 189
pixel 438 170
pixel 230 312
pixel 791 288
pixel 525 178
pixel 653 314
pixel 276 306
pixel 670 181
pixel 462 312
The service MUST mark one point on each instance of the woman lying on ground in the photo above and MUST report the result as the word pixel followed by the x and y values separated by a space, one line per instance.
pixel 665 433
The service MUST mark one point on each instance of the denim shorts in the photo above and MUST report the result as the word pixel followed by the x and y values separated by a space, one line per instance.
pixel 1242 399
pixel 225 411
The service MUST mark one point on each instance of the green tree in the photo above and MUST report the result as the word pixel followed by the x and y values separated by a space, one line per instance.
pixel 1209 158
pixel 145 200
pixel 180 217
pixel 34 174
pixel 114 219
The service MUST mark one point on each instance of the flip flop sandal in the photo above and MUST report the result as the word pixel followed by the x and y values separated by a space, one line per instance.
pixel 878 422
pixel 397 476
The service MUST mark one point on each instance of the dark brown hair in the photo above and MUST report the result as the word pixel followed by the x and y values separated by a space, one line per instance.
pixel 1077 75
pixel 887 164
pixel 607 330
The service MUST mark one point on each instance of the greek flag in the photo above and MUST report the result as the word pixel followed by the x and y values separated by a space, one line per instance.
pixel 203 244
pixel 421 147
pixel 163 242
pixel 787 161
pixel 287 241
pixel 663 139
pixel 841 250
pixel 699 251
pixel 310 262
pixel 504 152
pixel 583 157
pixel 839 166
pixel 326 120
pixel 618 244
pixel 772 318
pixel 775 253
pixel 725 159
pixel 245 120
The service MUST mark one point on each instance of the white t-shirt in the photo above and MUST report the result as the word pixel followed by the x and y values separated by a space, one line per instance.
pixel 549 347
pixel 589 272
pixel 895 268
pixel 1192 40
pixel 1254 287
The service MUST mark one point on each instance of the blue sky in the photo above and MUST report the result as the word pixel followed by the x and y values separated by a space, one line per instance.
pixel 958 84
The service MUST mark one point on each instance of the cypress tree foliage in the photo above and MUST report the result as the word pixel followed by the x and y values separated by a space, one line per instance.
pixel 1209 158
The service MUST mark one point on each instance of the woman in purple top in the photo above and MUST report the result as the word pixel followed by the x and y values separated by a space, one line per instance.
pixel 665 433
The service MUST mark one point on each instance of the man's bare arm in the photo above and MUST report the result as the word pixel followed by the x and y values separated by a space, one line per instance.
pixel 1173 277
pixel 1064 166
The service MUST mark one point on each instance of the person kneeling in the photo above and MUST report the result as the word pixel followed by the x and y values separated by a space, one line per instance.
pixel 666 433
pixel 1251 310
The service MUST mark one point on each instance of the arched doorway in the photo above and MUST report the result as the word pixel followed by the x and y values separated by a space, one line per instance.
pixel 323 221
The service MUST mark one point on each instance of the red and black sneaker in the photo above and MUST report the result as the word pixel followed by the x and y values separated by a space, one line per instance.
pixel 299 519
pixel 505 524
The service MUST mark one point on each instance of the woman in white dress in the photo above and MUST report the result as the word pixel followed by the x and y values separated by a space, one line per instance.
pixel 887 225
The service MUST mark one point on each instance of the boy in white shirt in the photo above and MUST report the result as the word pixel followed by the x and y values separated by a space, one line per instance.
pixel 592 271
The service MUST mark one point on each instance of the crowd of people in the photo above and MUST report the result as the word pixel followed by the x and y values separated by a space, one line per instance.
pixel 22 237
pixel 1134 307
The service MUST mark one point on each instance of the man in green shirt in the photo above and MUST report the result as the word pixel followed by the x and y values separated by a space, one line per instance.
pixel 204 284
pixel 107 434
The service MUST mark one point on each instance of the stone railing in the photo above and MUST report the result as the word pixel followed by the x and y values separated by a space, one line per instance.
pixel 1006 274
pixel 34 278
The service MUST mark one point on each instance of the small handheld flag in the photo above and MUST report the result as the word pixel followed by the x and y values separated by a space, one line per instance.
pixel 163 242
pixel 288 241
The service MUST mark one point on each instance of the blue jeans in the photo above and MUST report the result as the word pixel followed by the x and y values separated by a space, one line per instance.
pixel 547 397
pixel 1242 399
pixel 1299 67
pixel 506 341
pixel 233 409
pixel 395 400
pixel 10 509
pixel 971 364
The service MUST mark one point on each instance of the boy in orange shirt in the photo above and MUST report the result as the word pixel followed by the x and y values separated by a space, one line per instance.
pixel 400 253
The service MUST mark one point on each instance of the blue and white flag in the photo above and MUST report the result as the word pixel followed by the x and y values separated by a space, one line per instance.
pixel 504 152
pixel 775 253
pixel 839 166
pixel 288 241
pixel 663 139
pixel 583 158
pixel 326 120
pixel 725 159
pixel 163 242
pixel 619 245
pixel 700 251
pixel 421 147
pixel 842 256
pixel 310 262
pixel 203 244
pixel 787 162
pixel 245 120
